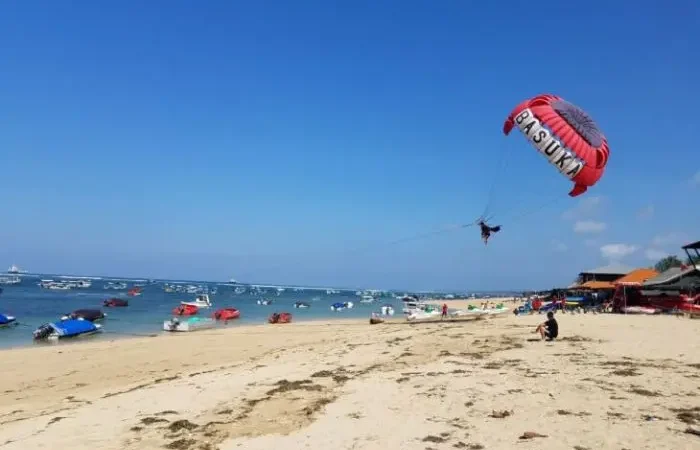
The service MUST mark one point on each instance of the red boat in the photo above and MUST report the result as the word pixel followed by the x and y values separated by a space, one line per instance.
pixel 226 314
pixel 133 292
pixel 116 302
pixel 280 318
pixel 185 310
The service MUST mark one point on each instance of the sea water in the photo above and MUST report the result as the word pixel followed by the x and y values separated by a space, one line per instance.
pixel 34 306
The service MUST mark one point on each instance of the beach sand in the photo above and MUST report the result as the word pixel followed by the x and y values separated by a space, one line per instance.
pixel 610 382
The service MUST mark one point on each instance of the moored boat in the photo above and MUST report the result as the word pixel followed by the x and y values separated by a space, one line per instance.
pixel 202 301
pixel 7 321
pixel 339 306
pixel 91 315
pixel 226 314
pixel 264 301
pixel 185 310
pixel 134 292
pixel 301 305
pixel 189 324
pixel 66 329
pixel 116 303
pixel 284 317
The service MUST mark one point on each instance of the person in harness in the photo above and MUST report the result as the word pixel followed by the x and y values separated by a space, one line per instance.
pixel 487 230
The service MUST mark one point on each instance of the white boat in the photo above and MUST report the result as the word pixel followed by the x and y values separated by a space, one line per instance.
pixel 423 315
pixel 367 299
pixel 14 270
pixel 264 301
pixel 80 284
pixel 190 324
pixel 8 281
pixel 202 301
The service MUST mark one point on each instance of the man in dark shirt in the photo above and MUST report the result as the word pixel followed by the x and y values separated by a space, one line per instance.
pixel 550 329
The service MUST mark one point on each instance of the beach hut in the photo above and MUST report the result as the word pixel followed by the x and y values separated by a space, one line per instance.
pixel 632 280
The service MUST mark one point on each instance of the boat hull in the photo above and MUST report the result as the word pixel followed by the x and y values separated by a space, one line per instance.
pixel 188 325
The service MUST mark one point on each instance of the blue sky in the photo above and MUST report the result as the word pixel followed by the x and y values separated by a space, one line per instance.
pixel 292 141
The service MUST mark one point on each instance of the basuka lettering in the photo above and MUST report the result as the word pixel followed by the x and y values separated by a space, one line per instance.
pixel 546 143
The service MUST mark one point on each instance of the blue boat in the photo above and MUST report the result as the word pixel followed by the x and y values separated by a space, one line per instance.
pixel 7 321
pixel 66 329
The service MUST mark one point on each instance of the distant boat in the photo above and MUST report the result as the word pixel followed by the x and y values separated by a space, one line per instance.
pixel 264 302
pixel 116 303
pixel 66 329
pixel 134 292
pixel 202 301
pixel 8 281
pixel 301 305
pixel 13 269
pixel 93 315
pixel 341 306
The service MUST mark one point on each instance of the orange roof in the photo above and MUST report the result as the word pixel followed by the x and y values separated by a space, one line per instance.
pixel 597 285
pixel 637 276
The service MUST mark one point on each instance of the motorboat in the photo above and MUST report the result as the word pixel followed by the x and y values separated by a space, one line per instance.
pixel 116 303
pixel 134 292
pixel 226 314
pixel 423 314
pixel 202 301
pixel 367 299
pixel 264 301
pixel 339 306
pixel 189 324
pixel 284 317
pixel 9 281
pixel 7 321
pixel 185 310
pixel 14 270
pixel 66 329
pixel 79 284
pixel 91 315
pixel 301 305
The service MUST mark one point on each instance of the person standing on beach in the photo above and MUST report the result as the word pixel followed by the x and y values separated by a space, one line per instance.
pixel 444 311
pixel 550 329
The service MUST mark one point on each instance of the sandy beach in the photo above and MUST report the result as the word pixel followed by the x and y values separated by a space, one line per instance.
pixel 610 382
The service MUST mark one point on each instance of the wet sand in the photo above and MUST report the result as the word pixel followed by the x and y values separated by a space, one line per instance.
pixel 610 382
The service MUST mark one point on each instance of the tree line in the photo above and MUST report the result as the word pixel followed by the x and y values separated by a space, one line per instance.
pixel 671 261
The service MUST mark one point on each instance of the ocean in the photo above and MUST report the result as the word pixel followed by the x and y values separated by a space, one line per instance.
pixel 33 306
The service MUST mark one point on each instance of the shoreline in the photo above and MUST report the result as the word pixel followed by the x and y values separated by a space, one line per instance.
pixel 328 383
pixel 109 335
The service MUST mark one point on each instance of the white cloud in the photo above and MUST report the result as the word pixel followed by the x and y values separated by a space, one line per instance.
pixel 669 239
pixel 585 208
pixel 646 213
pixel 559 246
pixel 617 251
pixel 589 226
pixel 655 254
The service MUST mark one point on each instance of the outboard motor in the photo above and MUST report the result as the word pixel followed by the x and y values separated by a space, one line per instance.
pixel 43 331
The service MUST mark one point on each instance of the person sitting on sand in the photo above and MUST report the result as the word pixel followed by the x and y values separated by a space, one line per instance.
pixel 550 329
